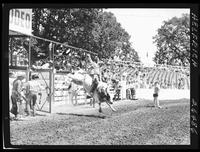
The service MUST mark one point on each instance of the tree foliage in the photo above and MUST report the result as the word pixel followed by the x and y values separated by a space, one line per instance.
pixel 86 28
pixel 173 42
pixel 110 37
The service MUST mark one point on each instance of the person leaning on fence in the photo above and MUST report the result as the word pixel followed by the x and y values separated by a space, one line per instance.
pixel 155 95
pixel 32 88
pixel 16 96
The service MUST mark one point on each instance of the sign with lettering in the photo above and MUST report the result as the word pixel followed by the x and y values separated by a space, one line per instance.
pixel 20 20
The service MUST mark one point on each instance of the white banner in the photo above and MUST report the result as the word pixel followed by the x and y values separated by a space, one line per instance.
pixel 20 20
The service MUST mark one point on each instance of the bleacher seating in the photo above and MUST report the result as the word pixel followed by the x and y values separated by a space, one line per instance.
pixel 167 76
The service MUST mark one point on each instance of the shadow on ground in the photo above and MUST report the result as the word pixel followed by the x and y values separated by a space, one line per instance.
pixel 19 119
pixel 82 115
pixel 149 106
pixel 37 114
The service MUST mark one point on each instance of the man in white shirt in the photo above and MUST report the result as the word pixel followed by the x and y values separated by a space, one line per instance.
pixel 32 90
pixel 155 95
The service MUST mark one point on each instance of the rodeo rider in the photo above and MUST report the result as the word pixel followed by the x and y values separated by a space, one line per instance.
pixel 95 73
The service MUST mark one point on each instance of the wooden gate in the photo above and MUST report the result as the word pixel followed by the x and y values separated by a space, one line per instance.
pixel 45 80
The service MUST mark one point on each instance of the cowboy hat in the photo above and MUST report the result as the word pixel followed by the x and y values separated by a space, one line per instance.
pixel 11 74
pixel 35 76
pixel 21 75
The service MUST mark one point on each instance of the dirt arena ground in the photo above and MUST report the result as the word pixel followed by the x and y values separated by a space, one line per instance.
pixel 136 122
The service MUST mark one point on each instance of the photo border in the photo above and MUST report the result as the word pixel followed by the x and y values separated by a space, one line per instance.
pixel 194 73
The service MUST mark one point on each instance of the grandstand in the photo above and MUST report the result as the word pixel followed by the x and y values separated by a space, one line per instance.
pixel 169 77
pixel 144 76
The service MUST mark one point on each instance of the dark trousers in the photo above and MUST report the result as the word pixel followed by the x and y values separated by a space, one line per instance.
pixel 117 95
pixel 132 93
pixel 15 102
pixel 30 102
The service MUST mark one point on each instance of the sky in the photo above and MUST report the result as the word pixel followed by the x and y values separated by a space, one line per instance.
pixel 142 25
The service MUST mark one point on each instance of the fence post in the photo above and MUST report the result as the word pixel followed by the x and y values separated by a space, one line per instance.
pixel 29 61
pixel 51 53
pixel 51 90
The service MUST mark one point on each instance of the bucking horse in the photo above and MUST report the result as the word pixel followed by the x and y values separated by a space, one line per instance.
pixel 101 92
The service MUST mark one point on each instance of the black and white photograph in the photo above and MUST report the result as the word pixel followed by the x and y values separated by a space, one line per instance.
pixel 100 76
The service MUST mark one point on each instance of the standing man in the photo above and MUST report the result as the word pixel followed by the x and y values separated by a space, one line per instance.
pixel 73 92
pixel 155 95
pixel 16 96
pixel 32 90
pixel 133 92
pixel 123 86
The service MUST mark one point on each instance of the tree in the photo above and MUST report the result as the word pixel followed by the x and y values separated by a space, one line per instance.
pixel 86 28
pixel 70 26
pixel 173 42
pixel 109 37
pixel 20 47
